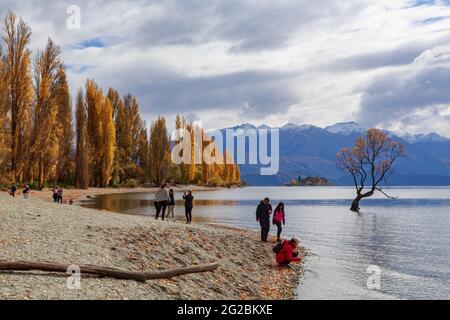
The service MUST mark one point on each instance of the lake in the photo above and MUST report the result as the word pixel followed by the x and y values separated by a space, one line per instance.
pixel 407 240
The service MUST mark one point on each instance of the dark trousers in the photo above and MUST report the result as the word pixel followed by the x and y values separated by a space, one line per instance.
pixel 188 211
pixel 279 229
pixel 160 208
pixel 265 228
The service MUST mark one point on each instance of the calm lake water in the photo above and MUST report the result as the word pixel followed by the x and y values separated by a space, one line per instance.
pixel 407 238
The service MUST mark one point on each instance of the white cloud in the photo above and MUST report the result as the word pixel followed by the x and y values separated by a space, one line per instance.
pixel 314 62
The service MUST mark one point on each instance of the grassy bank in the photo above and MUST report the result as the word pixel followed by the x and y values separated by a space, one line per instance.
pixel 36 230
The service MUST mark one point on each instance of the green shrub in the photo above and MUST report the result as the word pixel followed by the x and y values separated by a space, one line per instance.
pixel 131 183
pixel 215 182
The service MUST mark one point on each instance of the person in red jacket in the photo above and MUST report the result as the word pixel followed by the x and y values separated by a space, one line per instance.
pixel 288 252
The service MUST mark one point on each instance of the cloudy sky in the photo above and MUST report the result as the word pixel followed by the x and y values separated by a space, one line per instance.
pixel 381 63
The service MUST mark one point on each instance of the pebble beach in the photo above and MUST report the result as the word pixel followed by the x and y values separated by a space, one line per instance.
pixel 39 231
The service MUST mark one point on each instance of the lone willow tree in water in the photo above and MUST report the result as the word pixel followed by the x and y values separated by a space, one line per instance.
pixel 370 163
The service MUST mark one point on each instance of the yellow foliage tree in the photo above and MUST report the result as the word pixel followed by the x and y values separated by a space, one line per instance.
pixel 108 143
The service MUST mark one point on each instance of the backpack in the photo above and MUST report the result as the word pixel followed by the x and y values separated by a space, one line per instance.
pixel 277 248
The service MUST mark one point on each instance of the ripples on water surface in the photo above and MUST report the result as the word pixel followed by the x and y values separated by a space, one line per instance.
pixel 408 238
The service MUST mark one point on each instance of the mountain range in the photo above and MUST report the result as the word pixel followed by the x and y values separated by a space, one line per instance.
pixel 307 150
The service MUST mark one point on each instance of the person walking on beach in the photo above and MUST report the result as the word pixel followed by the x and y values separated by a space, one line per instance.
pixel 188 205
pixel 13 191
pixel 171 205
pixel 161 199
pixel 287 252
pixel 26 191
pixel 278 219
pixel 263 212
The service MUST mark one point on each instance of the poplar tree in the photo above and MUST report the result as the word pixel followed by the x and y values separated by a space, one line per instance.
pixel 108 142
pixel 65 128
pixel 159 151
pixel 82 147
pixel 46 131
pixel 18 90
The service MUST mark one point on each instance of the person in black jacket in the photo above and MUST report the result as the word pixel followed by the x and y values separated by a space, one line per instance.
pixel 263 212
pixel 13 190
pixel 188 205
pixel 171 205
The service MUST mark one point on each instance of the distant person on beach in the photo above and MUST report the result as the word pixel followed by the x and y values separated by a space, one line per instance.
pixel 278 219
pixel 13 190
pixel 161 199
pixel 171 205
pixel 55 194
pixel 263 212
pixel 188 205
pixel 26 191
pixel 287 252
pixel 60 195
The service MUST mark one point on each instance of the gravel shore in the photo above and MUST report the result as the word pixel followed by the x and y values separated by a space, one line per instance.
pixel 35 230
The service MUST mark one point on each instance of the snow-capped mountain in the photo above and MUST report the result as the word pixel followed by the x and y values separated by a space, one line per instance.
pixel 311 150
pixel 346 128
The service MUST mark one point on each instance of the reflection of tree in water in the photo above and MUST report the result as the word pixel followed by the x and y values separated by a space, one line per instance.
pixel 130 204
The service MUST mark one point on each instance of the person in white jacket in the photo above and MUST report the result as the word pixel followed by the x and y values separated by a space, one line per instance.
pixel 161 199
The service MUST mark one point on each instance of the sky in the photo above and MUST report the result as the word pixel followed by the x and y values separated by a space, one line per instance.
pixel 382 63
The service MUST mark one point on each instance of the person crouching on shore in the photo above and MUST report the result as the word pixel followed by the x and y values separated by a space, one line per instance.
pixel 287 252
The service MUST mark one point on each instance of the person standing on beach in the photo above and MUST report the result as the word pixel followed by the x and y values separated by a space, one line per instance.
pixel 263 212
pixel 55 194
pixel 13 190
pixel 26 191
pixel 161 199
pixel 188 205
pixel 171 205
pixel 278 219
pixel 60 195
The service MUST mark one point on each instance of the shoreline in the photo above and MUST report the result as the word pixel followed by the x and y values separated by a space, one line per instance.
pixel 83 194
pixel 36 230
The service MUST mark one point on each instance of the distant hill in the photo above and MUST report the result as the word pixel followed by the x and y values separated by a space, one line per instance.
pixel 307 150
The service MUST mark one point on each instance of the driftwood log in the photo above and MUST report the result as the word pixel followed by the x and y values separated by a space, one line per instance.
pixel 104 271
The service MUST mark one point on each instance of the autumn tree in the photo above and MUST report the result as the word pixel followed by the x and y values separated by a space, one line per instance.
pixel 94 104
pixel 46 134
pixel 19 91
pixel 4 121
pixel 159 151
pixel 65 128
pixel 143 153
pixel 129 127
pixel 370 163
pixel 82 144
pixel 107 142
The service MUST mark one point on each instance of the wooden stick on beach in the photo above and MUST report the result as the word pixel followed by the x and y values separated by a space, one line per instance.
pixel 106 272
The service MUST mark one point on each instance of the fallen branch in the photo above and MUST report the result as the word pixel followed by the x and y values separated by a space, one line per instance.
pixel 106 272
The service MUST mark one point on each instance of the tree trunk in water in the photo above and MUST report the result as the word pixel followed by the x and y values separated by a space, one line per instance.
pixel 355 204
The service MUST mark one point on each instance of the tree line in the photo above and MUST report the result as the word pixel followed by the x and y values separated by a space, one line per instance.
pixel 107 144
